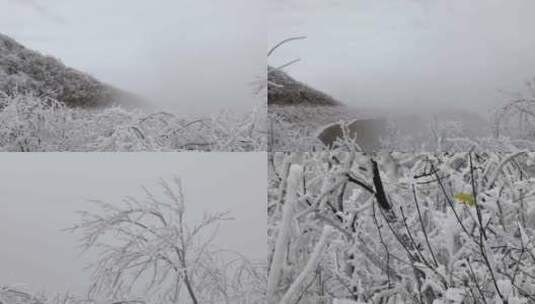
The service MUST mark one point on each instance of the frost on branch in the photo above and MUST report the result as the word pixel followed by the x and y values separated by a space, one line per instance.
pixel 284 233
pixel 149 252
pixel 410 228
pixel 30 123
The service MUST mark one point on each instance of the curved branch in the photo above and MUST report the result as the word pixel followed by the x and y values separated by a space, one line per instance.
pixel 284 42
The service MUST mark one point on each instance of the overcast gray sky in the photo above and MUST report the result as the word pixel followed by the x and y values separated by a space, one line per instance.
pixel 408 52
pixel 40 194
pixel 187 55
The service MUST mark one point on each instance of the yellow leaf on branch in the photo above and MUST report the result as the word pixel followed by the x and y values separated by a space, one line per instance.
pixel 465 198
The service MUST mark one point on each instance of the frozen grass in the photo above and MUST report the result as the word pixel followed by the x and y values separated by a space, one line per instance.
pixel 21 295
pixel 29 123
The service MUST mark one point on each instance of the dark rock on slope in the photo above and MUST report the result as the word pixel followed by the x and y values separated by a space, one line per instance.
pixel 284 90
pixel 26 71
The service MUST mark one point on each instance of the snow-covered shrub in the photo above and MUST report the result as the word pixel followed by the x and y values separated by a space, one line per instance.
pixel 406 227
pixel 30 123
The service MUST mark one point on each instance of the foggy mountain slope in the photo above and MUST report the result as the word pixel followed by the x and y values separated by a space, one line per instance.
pixel 299 113
pixel 68 110
pixel 26 71
pixel 284 90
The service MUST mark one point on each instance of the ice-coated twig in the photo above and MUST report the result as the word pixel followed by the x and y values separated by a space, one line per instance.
pixel 295 176
pixel 311 265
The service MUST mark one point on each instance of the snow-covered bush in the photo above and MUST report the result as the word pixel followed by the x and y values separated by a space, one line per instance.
pixel 403 227
pixel 30 123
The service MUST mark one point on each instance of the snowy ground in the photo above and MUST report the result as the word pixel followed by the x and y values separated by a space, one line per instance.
pixel 391 228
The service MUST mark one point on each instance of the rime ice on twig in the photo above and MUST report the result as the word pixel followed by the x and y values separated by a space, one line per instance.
pixel 147 249
pixel 434 248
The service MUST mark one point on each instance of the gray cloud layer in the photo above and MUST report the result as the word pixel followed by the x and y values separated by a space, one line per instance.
pixel 405 52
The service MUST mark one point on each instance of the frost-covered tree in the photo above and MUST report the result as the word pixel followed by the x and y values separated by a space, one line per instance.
pixel 403 227
pixel 517 117
pixel 149 252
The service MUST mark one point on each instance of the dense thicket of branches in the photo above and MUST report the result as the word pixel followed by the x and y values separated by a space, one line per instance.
pixel 450 228
pixel 29 124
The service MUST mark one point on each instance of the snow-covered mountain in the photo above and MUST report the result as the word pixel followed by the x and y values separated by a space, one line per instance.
pixel 26 71
pixel 284 90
